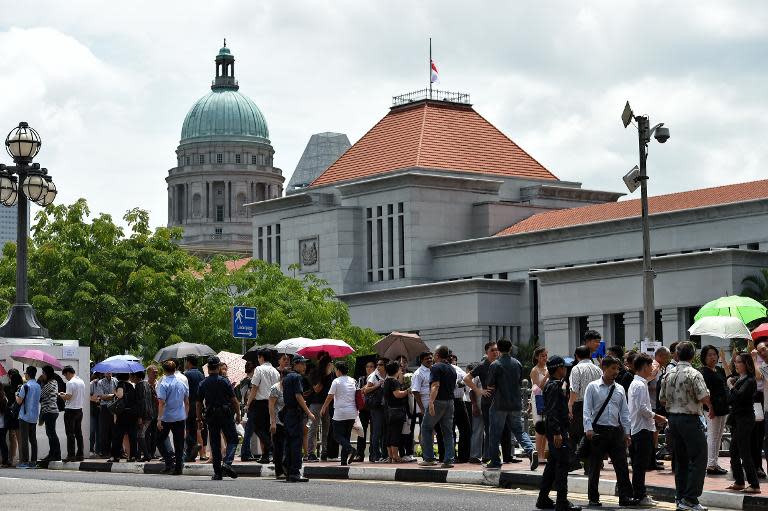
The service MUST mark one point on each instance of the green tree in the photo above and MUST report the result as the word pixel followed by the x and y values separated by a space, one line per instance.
pixel 756 286
pixel 137 293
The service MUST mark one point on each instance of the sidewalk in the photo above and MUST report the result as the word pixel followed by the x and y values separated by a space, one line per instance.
pixel 660 483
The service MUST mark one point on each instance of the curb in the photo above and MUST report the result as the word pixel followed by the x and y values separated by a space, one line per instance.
pixel 499 479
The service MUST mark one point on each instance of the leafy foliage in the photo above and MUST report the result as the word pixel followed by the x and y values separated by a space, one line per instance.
pixel 756 286
pixel 137 293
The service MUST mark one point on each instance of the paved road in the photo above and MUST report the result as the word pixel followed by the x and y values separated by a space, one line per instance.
pixel 75 491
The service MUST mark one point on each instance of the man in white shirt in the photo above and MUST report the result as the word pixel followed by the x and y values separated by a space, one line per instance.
pixel 643 420
pixel 74 399
pixel 264 376
pixel 582 374
pixel 606 426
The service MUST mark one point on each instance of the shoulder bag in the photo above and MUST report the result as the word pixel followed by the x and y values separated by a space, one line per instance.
pixel 15 407
pixel 584 449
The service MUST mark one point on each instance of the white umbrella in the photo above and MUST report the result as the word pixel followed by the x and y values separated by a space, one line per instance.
pixel 291 346
pixel 127 358
pixel 724 327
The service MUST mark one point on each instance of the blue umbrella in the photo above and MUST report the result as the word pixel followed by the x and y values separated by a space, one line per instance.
pixel 116 365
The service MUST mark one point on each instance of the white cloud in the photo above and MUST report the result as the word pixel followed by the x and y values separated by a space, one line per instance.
pixel 108 86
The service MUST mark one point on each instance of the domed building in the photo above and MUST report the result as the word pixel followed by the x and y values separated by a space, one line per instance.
pixel 224 161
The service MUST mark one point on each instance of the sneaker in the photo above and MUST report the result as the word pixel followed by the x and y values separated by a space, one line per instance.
pixel 312 459
pixel 492 466
pixel 646 502
pixel 229 471
pixel 428 463
pixel 474 461
pixel 447 464
pixel 545 503
pixel 407 459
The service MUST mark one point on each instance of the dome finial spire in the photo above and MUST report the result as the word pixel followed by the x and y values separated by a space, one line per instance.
pixel 225 42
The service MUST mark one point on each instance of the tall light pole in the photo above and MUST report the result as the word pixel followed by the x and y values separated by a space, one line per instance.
pixel 632 179
pixel 19 183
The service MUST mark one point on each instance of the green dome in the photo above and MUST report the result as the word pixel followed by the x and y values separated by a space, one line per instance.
pixel 226 114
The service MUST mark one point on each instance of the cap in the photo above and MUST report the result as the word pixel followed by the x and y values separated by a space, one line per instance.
pixel 556 361
pixel 213 361
pixel 298 359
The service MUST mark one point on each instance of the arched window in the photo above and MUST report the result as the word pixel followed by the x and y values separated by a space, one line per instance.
pixel 196 205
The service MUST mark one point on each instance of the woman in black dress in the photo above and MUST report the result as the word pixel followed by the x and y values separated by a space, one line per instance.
pixel 127 421
pixel 396 400
pixel 741 388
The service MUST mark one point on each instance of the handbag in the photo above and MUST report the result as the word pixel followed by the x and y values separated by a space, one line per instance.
pixel 584 449
pixel 15 409
pixel 117 406
pixel 359 399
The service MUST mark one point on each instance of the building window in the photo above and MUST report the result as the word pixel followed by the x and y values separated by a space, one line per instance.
pixel 390 242
pixel 219 213
pixel 401 239
pixel 399 207
pixel 269 230
pixel 380 241
pixel 277 244
pixel 369 241
pixel 488 276
pixel 378 210
pixel 619 332
pixel 659 331
pixel 753 246
pixel 253 159
pixel 237 158
pixel 261 248
pixel 188 160
pixel 503 276
pixel 269 247
pixel 201 159
pixel 368 212
pixel 219 158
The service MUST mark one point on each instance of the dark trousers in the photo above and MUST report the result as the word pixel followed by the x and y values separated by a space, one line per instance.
pixel 177 428
pixel 245 449
pixel 341 433
pixel 94 441
pixel 73 426
pixel 278 454
pixel 150 437
pixel 576 431
pixel 106 425
pixel 610 442
pixel 742 461
pixel 461 422
pixel 27 440
pixel 294 436
pixel 3 447
pixel 260 411
pixel 54 446
pixel 126 424
pixel 190 440
pixel 690 453
pixel 365 420
pixel 506 434
pixel 757 440
pixel 378 418
pixel 556 472
pixel 217 427
pixel 642 457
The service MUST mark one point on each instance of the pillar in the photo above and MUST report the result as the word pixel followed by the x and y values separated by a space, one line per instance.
pixel 670 325
pixel 633 327
pixel 556 336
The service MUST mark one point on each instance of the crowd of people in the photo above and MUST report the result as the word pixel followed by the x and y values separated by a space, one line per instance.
pixel 610 406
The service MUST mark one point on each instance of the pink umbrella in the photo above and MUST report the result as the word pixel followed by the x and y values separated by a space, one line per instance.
pixel 36 358
pixel 334 347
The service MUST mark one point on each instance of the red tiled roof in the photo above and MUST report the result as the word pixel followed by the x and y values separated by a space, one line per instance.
pixel 433 135
pixel 627 209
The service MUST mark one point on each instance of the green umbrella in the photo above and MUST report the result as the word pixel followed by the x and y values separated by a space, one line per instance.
pixel 740 307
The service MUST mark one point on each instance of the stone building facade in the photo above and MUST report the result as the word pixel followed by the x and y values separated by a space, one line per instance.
pixel 435 222
pixel 224 160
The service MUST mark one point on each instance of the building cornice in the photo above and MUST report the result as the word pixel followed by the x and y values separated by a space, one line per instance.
pixel 416 178
pixel 548 191
pixel 432 290
pixel 599 229
pixel 224 172
pixel 296 200
pixel 661 264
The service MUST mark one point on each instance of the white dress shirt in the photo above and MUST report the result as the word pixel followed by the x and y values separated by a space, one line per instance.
pixel 640 410
pixel 458 392
pixel 264 376
pixel 76 389
pixel 420 384
pixel 616 413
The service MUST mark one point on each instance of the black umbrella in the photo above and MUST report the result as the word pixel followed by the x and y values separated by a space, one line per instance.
pixel 252 355
pixel 183 350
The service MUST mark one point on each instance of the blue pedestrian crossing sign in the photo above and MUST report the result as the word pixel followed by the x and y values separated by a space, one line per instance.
pixel 245 321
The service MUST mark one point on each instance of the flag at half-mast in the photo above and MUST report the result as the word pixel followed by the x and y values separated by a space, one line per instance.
pixel 433 74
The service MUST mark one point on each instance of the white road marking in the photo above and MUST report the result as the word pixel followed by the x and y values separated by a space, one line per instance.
pixel 254 499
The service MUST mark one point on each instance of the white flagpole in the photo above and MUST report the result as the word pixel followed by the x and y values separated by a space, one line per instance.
pixel 430 68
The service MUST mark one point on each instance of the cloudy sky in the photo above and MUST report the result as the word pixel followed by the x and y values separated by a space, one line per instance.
pixel 108 84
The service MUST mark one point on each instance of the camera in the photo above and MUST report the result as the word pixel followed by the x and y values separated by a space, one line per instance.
pixel 661 135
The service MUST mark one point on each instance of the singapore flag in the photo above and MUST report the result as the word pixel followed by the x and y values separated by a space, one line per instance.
pixel 433 75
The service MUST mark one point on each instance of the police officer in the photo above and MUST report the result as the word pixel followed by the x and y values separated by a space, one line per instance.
pixel 220 405
pixel 294 410
pixel 555 427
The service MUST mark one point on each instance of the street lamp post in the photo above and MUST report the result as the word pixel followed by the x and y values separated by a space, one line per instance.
pixel 640 176
pixel 19 183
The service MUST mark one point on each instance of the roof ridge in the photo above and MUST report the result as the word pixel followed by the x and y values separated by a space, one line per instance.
pixel 421 134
